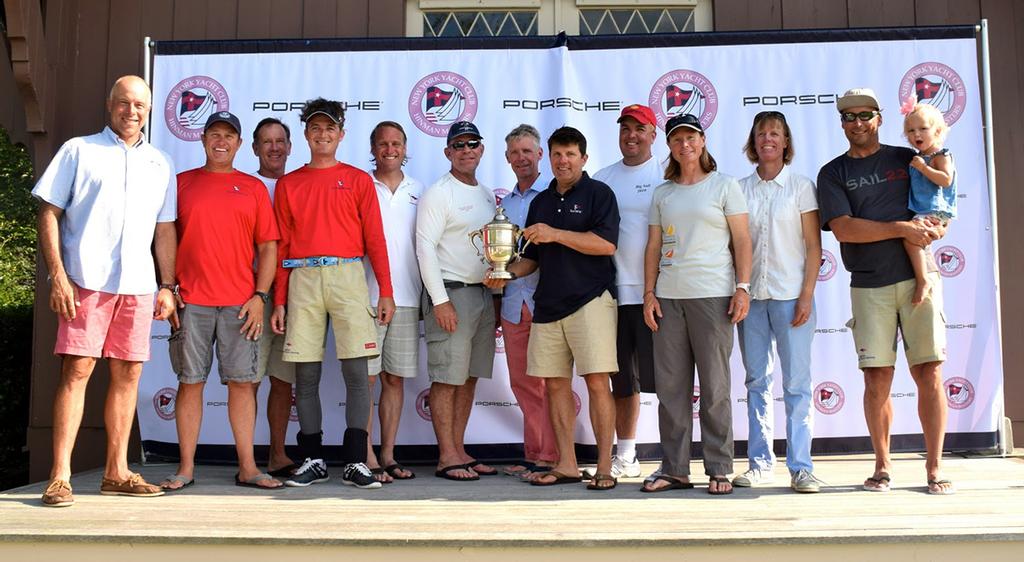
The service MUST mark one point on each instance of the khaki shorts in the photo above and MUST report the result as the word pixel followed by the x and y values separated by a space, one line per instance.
pixel 271 348
pixel 879 311
pixel 335 291
pixel 586 336
pixel 469 350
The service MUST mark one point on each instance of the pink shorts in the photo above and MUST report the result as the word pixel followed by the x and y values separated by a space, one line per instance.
pixel 107 325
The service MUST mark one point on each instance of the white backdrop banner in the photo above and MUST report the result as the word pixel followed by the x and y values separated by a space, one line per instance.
pixel 725 85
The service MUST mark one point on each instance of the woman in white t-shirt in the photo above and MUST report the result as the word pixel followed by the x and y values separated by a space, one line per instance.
pixel 694 292
pixel 787 256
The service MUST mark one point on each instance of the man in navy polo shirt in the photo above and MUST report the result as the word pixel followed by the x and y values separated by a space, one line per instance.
pixel 573 229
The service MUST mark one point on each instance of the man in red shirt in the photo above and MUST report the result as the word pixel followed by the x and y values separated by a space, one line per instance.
pixel 225 221
pixel 329 219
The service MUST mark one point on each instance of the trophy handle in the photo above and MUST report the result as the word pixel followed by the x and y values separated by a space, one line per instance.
pixel 472 240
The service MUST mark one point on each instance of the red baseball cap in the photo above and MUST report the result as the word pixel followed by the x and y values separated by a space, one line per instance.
pixel 641 113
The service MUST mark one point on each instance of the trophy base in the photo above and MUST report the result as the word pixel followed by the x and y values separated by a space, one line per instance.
pixel 499 275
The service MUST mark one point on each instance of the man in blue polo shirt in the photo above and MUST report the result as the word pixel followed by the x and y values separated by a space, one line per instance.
pixel 573 229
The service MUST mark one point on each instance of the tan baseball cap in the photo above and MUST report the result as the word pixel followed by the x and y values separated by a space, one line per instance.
pixel 858 97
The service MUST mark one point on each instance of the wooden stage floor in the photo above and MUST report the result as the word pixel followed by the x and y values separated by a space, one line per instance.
pixel 499 518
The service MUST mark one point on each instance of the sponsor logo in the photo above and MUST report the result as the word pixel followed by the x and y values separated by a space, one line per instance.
pixel 684 91
pixel 827 269
pixel 371 345
pixel 497 403
pixel 577 402
pixel 293 412
pixel 164 401
pixel 936 84
pixel 959 392
pixel 950 260
pixel 791 99
pixel 695 400
pixel 575 105
pixel 290 106
pixel 190 103
pixel 500 194
pixel 499 341
pixel 831 330
pixel 423 404
pixel 829 398
pixel 440 99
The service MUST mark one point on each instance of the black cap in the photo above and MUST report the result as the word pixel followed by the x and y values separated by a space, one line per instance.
pixel 460 128
pixel 687 120
pixel 223 117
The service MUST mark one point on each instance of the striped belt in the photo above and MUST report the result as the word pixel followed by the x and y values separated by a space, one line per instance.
pixel 320 261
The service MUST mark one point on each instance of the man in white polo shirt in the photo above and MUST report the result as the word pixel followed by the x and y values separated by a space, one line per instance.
pixel 458 311
pixel 399 359
pixel 104 200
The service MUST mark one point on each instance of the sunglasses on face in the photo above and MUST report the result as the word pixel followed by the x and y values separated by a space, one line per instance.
pixel 850 117
pixel 459 145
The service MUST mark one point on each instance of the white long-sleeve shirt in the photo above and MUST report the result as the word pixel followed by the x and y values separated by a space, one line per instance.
pixel 448 212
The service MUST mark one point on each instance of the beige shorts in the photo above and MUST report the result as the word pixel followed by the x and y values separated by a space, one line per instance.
pixel 271 347
pixel 878 313
pixel 586 336
pixel 335 291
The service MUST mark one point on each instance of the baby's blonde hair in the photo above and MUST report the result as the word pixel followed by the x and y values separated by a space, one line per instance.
pixel 932 116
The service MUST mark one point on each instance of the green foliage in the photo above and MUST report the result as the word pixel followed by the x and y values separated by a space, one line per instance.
pixel 17 225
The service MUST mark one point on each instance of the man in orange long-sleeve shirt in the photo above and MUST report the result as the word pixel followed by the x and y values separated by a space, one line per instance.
pixel 329 219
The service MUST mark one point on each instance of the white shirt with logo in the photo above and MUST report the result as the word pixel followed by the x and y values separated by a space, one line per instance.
pixel 398 213
pixel 695 258
pixel 634 188
pixel 776 207
pixel 448 212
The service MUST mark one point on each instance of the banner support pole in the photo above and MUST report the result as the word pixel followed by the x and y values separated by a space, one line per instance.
pixel 147 75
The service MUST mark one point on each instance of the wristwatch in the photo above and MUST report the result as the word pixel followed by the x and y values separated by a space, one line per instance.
pixel 744 286
pixel 173 288
pixel 263 296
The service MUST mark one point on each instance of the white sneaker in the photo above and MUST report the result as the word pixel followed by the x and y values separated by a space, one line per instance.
pixel 621 467
pixel 805 482
pixel 753 478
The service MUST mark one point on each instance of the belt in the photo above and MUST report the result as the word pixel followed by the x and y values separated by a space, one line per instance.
pixel 320 261
pixel 460 284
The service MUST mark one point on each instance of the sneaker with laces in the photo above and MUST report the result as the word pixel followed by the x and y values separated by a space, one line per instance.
pixel 359 475
pixel 312 471
pixel 134 486
pixel 805 482
pixel 58 494
pixel 753 478
pixel 621 467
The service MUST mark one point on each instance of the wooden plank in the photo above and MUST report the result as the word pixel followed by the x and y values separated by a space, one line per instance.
pixel 158 19
pixel 813 14
pixel 319 18
pixel 90 88
pixel 745 15
pixel 946 12
pixel 190 19
pixel 222 19
pixel 124 45
pixel 352 18
pixel 254 20
pixel 386 18
pixel 880 13
pixel 286 19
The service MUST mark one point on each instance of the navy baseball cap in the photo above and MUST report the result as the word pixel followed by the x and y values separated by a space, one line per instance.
pixel 223 117
pixel 687 120
pixel 462 128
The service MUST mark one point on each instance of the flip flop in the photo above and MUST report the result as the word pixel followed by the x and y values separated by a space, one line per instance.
pixel 719 480
pixel 559 479
pixel 446 473
pixel 255 480
pixel 185 481
pixel 598 478
pixel 939 490
pixel 378 471
pixel 526 467
pixel 882 483
pixel 284 471
pixel 475 463
pixel 392 470
pixel 673 484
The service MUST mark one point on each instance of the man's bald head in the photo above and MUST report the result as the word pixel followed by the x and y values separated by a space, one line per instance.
pixel 129 103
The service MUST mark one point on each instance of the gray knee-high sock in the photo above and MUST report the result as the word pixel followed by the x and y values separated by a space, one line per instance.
pixel 357 391
pixel 307 397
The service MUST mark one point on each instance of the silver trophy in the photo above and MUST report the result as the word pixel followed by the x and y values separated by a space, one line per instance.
pixel 500 239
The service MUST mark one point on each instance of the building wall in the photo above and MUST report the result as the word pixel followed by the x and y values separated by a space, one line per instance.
pixel 79 69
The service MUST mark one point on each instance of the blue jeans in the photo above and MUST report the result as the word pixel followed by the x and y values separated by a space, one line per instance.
pixel 768 320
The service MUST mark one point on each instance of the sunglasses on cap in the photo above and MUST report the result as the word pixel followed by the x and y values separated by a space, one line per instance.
pixel 850 117
pixel 459 145
pixel 770 115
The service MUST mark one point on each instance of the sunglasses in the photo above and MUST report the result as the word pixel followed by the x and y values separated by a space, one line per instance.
pixel 770 115
pixel 459 145
pixel 850 117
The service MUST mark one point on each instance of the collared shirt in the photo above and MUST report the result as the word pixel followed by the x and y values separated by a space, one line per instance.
pixel 112 196
pixel 398 213
pixel 519 291
pixel 570 279
pixel 776 229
